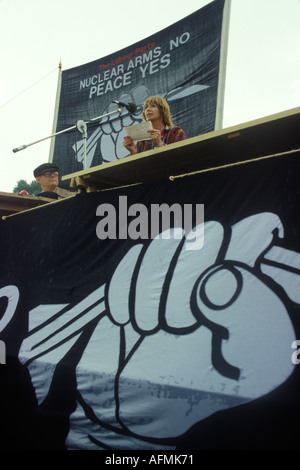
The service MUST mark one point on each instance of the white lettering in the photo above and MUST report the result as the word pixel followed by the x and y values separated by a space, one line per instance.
pixel 110 85
pixel 194 236
pixel 296 354
pixel 162 217
pixel 141 221
pixel 165 61
pixel 179 40
pixel 162 224
pixel 2 353
pixel 123 223
pixel 143 70
pixel 154 66
pixel 106 228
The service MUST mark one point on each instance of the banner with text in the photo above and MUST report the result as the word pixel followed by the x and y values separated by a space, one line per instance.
pixel 179 63
pixel 124 333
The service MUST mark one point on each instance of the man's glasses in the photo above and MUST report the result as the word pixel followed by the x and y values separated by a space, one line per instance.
pixel 49 173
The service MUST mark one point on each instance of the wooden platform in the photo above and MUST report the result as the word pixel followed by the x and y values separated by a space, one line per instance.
pixel 270 135
pixel 11 203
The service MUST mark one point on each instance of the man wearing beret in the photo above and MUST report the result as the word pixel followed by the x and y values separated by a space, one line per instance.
pixel 47 176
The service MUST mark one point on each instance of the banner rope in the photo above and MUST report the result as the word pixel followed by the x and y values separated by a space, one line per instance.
pixel 228 165
pixel 28 88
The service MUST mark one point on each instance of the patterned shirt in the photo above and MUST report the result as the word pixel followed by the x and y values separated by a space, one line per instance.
pixel 169 136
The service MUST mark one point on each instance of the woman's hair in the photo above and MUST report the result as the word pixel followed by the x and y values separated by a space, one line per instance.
pixel 162 104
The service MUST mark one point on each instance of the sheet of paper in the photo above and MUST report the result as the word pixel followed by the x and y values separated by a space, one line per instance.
pixel 139 131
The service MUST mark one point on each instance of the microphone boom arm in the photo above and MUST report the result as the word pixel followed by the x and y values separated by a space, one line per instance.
pixel 81 126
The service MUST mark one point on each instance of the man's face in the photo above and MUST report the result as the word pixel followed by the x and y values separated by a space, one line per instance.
pixel 48 180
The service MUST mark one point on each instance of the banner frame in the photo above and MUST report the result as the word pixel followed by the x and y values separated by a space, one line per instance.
pixel 223 65
pixel 56 109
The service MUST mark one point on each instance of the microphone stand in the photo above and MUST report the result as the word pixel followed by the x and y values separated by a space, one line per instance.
pixel 80 125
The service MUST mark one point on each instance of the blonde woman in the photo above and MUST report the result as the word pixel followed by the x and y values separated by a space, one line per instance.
pixel 163 131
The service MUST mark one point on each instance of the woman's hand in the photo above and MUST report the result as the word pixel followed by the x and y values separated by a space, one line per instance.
pixel 129 144
pixel 155 135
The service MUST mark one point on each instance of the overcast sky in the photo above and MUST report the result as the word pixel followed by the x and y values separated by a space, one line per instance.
pixel 262 75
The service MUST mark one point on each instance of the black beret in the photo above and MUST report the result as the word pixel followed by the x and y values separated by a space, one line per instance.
pixel 45 167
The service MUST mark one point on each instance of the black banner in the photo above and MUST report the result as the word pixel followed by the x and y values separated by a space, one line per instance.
pixel 113 340
pixel 179 63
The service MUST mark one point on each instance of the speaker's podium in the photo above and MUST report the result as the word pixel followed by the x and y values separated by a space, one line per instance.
pixel 258 139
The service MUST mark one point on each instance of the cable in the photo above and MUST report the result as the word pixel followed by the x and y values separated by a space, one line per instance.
pixel 7 102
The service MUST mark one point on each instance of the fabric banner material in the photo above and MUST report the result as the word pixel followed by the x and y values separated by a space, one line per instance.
pixel 185 340
pixel 179 63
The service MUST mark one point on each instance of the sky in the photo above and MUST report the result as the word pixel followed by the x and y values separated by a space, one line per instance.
pixel 262 68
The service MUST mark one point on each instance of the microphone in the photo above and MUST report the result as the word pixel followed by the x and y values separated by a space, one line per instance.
pixel 19 148
pixel 131 107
